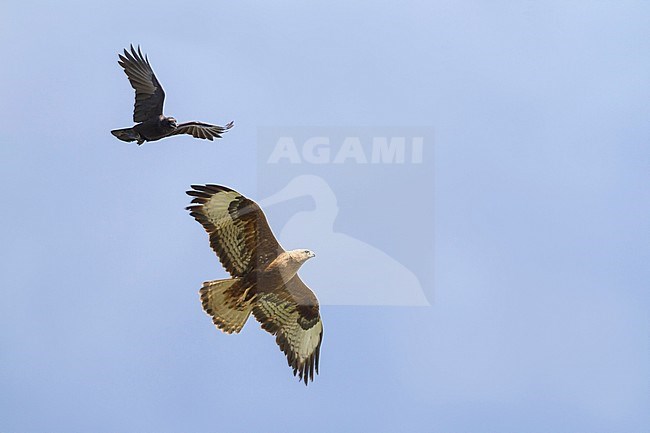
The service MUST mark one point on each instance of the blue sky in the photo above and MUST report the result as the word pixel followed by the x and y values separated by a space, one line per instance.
pixel 536 216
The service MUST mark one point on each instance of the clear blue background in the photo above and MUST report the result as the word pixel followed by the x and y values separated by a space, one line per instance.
pixel 539 321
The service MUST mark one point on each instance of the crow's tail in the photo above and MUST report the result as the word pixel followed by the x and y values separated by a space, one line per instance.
pixel 127 134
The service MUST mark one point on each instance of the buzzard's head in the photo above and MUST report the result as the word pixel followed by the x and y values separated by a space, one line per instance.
pixel 301 256
pixel 171 122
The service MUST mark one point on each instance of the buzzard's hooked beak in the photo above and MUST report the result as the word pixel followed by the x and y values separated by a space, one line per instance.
pixel 312 254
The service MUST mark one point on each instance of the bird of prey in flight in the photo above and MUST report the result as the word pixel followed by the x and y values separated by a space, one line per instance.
pixel 151 124
pixel 264 277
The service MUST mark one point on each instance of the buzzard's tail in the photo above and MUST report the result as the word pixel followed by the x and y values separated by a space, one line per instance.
pixel 127 134
pixel 228 308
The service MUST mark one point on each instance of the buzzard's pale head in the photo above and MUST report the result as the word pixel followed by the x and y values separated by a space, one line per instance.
pixel 301 256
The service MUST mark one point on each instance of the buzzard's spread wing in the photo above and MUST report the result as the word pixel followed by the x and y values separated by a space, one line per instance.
pixel 149 94
pixel 239 232
pixel 291 314
pixel 201 130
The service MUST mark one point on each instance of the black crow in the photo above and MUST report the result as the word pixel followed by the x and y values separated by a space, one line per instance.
pixel 152 125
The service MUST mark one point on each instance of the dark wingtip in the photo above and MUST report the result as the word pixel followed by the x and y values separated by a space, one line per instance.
pixel 210 188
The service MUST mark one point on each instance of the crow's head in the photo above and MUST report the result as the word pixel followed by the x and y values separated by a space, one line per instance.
pixel 171 122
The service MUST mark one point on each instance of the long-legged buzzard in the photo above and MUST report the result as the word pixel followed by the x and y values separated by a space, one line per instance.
pixel 152 125
pixel 264 277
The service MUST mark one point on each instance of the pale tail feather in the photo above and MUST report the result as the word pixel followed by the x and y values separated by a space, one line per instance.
pixel 228 312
